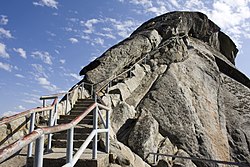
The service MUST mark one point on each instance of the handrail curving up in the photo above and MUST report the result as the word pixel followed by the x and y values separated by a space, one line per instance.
pixel 11 118
pixel 40 132
pixel 144 58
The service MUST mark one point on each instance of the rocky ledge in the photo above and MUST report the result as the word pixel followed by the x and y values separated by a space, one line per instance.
pixel 185 98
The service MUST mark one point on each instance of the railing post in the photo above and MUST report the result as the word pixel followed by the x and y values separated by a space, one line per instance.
pixel 66 108
pixel 108 86
pixel 70 146
pixel 92 91
pixel 55 115
pixel 82 90
pixel 94 147
pixel 32 126
pixel 107 133
pixel 38 161
pixel 50 135
pixel 44 105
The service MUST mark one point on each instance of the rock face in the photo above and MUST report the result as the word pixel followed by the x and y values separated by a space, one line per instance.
pixel 174 89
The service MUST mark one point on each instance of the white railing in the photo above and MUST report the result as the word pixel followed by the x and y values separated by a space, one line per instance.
pixel 39 136
pixel 157 155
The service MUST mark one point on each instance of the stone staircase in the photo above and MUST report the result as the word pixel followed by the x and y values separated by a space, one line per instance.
pixel 57 156
pixel 81 131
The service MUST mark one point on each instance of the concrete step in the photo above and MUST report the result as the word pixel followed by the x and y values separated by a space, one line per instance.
pixel 82 105
pixel 84 121
pixel 82 108
pixel 73 115
pixel 58 158
pixel 77 136
pixel 63 143
pixel 81 128
pixel 77 112
pixel 87 101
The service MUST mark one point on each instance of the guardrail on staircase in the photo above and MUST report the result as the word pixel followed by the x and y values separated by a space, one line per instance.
pixel 53 113
pixel 157 155
pixel 39 134
pixel 32 118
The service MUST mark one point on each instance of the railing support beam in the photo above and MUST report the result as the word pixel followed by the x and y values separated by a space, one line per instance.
pixel 38 161
pixel 70 146
pixel 50 135
pixel 32 126
pixel 107 133
pixel 95 126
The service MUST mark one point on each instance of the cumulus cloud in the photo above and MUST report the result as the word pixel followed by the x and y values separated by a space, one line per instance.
pixel 39 71
pixel 3 52
pixel 20 107
pixel 73 40
pixel 98 41
pixel 48 3
pixel 5 33
pixel 75 76
pixel 3 20
pixel 19 75
pixel 123 28
pixel 62 61
pixel 31 98
pixel 89 24
pixel 21 52
pixel 44 56
pixel 46 84
pixel 8 113
pixel 232 16
pixel 6 67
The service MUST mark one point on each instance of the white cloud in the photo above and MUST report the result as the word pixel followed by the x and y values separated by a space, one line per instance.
pixel 6 67
pixel 31 98
pixel 144 3
pixel 62 61
pixel 99 41
pixel 5 33
pixel 46 84
pixel 89 25
pixel 73 40
pixel 19 75
pixel 20 107
pixel 48 3
pixel 107 35
pixel 123 28
pixel 4 20
pixel 21 52
pixel 30 101
pixel 77 77
pixel 57 51
pixel 232 16
pixel 44 56
pixel 3 52
pixel 43 81
pixel 39 71
pixel 8 113
pixel 85 37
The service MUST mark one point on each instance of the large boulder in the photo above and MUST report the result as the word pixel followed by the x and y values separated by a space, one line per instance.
pixel 186 98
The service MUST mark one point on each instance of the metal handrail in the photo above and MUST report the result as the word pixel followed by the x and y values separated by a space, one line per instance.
pixel 5 120
pixel 141 59
pixel 39 133
pixel 199 159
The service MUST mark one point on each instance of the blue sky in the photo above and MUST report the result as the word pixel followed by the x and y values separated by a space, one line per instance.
pixel 45 43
